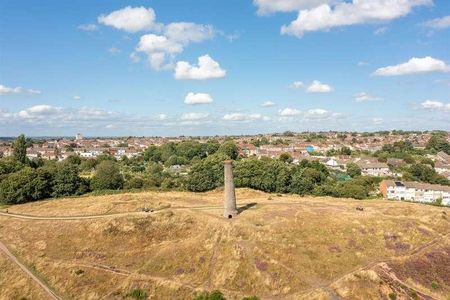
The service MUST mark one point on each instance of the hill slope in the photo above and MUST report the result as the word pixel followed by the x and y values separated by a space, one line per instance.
pixel 279 247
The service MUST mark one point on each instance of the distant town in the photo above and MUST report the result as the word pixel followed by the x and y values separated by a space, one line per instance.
pixel 336 150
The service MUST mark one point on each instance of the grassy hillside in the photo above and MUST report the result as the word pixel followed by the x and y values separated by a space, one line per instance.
pixel 279 247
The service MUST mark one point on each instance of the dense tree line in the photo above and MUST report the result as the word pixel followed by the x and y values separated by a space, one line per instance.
pixel 271 175
pixel 194 166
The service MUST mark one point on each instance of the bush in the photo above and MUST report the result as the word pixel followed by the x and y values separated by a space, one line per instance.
pixel 214 295
pixel 392 296
pixel 435 285
pixel 138 294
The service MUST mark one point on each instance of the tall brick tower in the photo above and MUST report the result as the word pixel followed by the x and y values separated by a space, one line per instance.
pixel 230 195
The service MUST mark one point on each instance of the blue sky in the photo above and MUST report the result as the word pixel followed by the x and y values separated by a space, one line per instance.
pixel 132 67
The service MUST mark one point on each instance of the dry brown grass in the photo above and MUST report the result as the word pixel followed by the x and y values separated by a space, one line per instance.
pixel 14 284
pixel 286 247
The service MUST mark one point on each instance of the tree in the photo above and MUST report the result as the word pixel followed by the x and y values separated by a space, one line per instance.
pixel 207 174
pixel 353 169
pixel 20 149
pixel 26 185
pixel 438 143
pixel 66 181
pixel 230 149
pixel 9 165
pixel 107 176
pixel 286 157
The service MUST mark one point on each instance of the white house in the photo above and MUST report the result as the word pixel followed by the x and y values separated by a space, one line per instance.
pixel 415 191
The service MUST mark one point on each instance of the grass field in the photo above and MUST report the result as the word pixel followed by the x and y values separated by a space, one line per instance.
pixel 279 247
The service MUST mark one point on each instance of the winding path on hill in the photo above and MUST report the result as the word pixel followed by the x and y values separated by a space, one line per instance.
pixel 26 270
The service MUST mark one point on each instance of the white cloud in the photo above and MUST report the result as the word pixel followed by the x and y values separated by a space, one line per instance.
pixel 289 112
pixel 160 48
pixel 325 17
pixel 364 97
pixel 380 30
pixel 267 104
pixel 435 105
pixel 76 97
pixel 162 117
pixel 194 116
pixel 207 69
pixel 271 6
pixel 377 121
pixel 296 85
pixel 199 98
pixel 88 27
pixel 413 66
pixel 130 19
pixel 184 32
pixel 244 117
pixel 38 111
pixel 4 90
pixel 311 114
pixel 318 87
pixel 438 23
pixel 157 48
pixel 318 113
pixel 362 63
pixel 164 41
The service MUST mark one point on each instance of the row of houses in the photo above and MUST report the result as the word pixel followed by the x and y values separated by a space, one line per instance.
pixel 415 191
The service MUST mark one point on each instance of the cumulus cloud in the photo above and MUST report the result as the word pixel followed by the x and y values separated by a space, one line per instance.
pixel 364 97
pixel 318 87
pixel 267 104
pixel 435 105
pixel 158 47
pixel 318 113
pixel 325 16
pixel 414 66
pixel 162 117
pixel 39 111
pixel 185 32
pixel 289 112
pixel 271 6
pixel 296 85
pixel 207 68
pixel 130 19
pixel 5 90
pixel 164 41
pixel 194 116
pixel 311 114
pixel 199 98
pixel 88 27
pixel 244 117
pixel 438 23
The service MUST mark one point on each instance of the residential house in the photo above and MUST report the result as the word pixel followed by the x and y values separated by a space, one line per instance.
pixel 415 191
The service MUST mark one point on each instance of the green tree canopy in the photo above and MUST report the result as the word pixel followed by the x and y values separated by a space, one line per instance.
pixel 107 176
